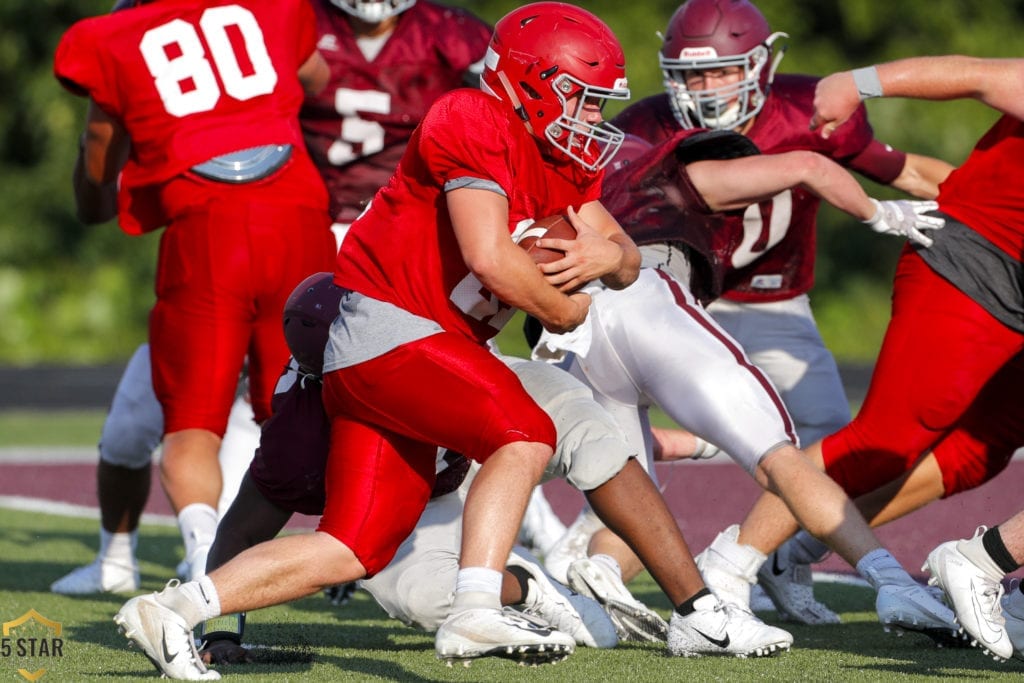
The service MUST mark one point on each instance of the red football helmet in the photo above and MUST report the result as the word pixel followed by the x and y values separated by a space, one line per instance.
pixel 374 11
pixel 718 34
pixel 548 60
pixel 308 314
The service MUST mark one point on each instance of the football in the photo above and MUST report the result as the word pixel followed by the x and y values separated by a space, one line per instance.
pixel 555 227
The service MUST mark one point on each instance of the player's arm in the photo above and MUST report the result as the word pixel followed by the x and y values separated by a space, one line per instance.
pixel 732 184
pixel 480 221
pixel 921 176
pixel 103 152
pixel 314 73
pixel 736 183
pixel 601 250
pixel 998 83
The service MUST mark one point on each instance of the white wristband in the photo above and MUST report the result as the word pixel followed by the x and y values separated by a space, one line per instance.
pixel 867 82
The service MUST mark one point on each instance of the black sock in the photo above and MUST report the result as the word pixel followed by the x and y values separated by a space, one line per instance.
pixel 522 576
pixel 687 607
pixel 993 543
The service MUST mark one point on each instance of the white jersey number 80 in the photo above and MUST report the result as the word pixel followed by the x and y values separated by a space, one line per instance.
pixel 190 64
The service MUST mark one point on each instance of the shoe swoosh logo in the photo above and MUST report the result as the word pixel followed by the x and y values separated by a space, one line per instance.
pixel 168 656
pixel 776 570
pixel 988 634
pixel 535 630
pixel 720 642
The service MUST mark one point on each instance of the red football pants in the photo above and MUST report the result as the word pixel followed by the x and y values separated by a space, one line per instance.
pixel 389 415
pixel 948 379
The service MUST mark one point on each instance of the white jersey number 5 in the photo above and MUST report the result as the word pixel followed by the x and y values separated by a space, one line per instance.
pixel 183 72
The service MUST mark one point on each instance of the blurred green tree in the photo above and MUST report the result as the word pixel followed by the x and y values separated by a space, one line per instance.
pixel 81 295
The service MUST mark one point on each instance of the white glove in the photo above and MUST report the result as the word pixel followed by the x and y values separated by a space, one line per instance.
pixel 902 217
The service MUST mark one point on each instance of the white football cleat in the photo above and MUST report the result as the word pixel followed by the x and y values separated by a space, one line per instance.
pixel 163 637
pixel 791 589
pixel 976 598
pixel 99 576
pixel 569 612
pixel 714 628
pixel 1013 613
pixel 911 607
pixel 633 620
pixel 572 545
pixel 487 632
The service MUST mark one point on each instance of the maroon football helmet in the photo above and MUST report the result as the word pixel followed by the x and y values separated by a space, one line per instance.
pixel 548 60
pixel 308 314
pixel 711 35
pixel 633 147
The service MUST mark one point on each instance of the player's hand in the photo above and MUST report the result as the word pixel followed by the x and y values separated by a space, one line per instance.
pixel 574 315
pixel 835 100
pixel 906 218
pixel 588 257
pixel 225 651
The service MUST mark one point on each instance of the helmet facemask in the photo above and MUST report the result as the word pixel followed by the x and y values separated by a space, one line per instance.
pixel 728 106
pixel 590 145
pixel 373 11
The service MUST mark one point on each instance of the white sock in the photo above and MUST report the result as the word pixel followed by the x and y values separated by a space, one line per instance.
pixel 198 524
pixel 879 567
pixel 195 601
pixel 118 546
pixel 974 550
pixel 608 562
pixel 477 587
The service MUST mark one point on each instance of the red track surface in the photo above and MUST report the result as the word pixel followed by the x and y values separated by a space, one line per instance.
pixel 705 498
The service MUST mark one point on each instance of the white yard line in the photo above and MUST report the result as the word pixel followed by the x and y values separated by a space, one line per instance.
pixel 53 507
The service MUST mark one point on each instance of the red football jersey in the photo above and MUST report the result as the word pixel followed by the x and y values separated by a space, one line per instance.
pixel 190 79
pixel 772 252
pixel 984 192
pixel 403 249
pixel 357 128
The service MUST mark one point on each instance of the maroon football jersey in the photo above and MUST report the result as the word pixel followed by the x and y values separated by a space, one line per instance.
pixel 357 128
pixel 654 200
pixel 982 192
pixel 772 244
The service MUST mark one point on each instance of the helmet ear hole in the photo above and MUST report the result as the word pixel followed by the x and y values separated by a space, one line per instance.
pixel 529 91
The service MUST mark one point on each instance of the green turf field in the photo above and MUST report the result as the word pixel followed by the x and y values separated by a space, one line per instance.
pixel 313 641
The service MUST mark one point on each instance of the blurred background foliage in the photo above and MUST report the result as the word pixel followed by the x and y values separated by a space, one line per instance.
pixel 76 294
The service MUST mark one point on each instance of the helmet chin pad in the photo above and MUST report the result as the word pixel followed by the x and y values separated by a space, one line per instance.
pixel 373 11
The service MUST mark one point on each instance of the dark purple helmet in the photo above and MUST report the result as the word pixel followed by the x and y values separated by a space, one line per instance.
pixel 308 314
